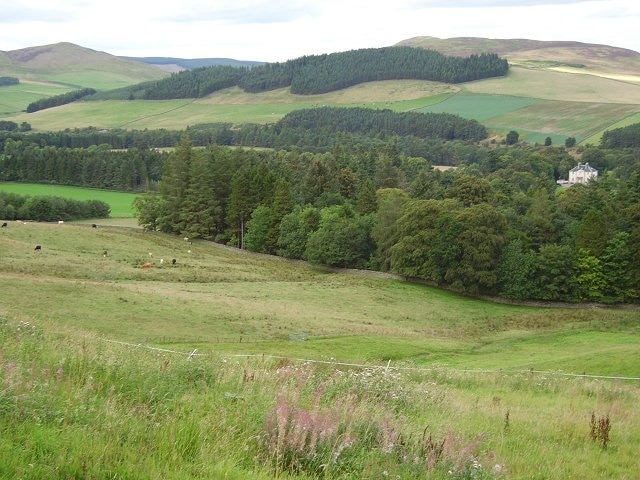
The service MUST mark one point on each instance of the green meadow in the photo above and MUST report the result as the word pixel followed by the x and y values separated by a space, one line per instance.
pixel 121 203
pixel 15 98
pixel 229 364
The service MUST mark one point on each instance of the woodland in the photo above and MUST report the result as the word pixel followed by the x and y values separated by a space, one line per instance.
pixel 363 188
pixel 314 74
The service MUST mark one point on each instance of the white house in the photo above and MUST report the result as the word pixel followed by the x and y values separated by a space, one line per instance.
pixel 582 173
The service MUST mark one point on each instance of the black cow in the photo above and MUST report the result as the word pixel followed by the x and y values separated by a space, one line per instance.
pixel 38 248
pixel 105 253
pixel 5 224
pixel 93 225
pixel 173 262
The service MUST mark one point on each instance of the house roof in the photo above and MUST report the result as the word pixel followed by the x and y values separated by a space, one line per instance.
pixel 584 167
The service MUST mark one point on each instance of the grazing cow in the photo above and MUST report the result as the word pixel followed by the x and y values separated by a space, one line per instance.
pixel 93 225
pixel 38 248
pixel 5 224
pixel 161 261
pixel 60 222
pixel 173 262
pixel 145 265
pixel 150 254
pixel 105 253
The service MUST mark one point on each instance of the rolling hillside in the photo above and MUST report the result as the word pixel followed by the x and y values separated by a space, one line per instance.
pixel 586 57
pixel 74 66
pixel 553 89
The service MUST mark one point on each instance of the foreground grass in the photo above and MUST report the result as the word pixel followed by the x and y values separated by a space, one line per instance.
pixel 121 203
pixel 75 406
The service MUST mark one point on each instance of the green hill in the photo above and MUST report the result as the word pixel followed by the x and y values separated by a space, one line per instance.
pixel 75 66
pixel 589 57
pixel 555 89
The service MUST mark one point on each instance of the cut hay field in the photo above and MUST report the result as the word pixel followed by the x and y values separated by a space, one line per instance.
pixel 120 202
pixel 85 395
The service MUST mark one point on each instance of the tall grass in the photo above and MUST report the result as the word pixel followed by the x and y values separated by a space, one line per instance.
pixel 74 406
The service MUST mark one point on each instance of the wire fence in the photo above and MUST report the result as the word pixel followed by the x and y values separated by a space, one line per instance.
pixel 194 353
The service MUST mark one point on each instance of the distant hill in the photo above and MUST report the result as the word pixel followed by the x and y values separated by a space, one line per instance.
pixel 76 66
pixel 177 64
pixel 546 54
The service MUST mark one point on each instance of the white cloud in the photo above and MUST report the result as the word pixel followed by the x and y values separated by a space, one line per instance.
pixel 279 30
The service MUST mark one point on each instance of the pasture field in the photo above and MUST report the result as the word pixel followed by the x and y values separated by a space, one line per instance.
pixel 120 202
pixel 550 85
pixel 535 119
pixel 538 103
pixel 480 107
pixel 83 397
pixel 15 98
pixel 232 105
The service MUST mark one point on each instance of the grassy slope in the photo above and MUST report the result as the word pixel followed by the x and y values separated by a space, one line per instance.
pixel 76 66
pixel 75 405
pixel 215 298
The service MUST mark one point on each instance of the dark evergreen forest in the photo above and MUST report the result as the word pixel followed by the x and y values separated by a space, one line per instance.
pixel 498 224
pixel 320 73
pixel 625 137
pixel 57 100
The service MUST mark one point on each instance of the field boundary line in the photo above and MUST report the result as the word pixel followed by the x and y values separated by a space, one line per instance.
pixel 388 366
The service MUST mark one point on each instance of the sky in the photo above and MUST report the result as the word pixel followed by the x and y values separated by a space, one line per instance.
pixel 279 30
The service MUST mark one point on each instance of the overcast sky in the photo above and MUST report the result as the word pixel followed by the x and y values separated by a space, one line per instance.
pixel 278 30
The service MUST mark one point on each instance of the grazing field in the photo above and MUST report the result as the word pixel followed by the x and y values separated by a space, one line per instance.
pixel 550 85
pixel 120 202
pixel 480 107
pixel 15 98
pixel 535 119
pixel 448 387
pixel 232 105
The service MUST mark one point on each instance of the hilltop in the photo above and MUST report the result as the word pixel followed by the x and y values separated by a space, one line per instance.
pixel 537 53
pixel 73 65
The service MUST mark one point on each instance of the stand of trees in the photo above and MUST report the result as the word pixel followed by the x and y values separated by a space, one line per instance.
pixel 98 166
pixel 625 137
pixel 6 81
pixel 49 208
pixel 57 100
pixel 315 130
pixel 316 74
pixel 498 225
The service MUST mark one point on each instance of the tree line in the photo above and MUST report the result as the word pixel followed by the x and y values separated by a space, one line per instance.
pixel 319 129
pixel 497 226
pixel 57 100
pixel 7 81
pixel 316 74
pixel 46 208
pixel 96 167
pixel 624 137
